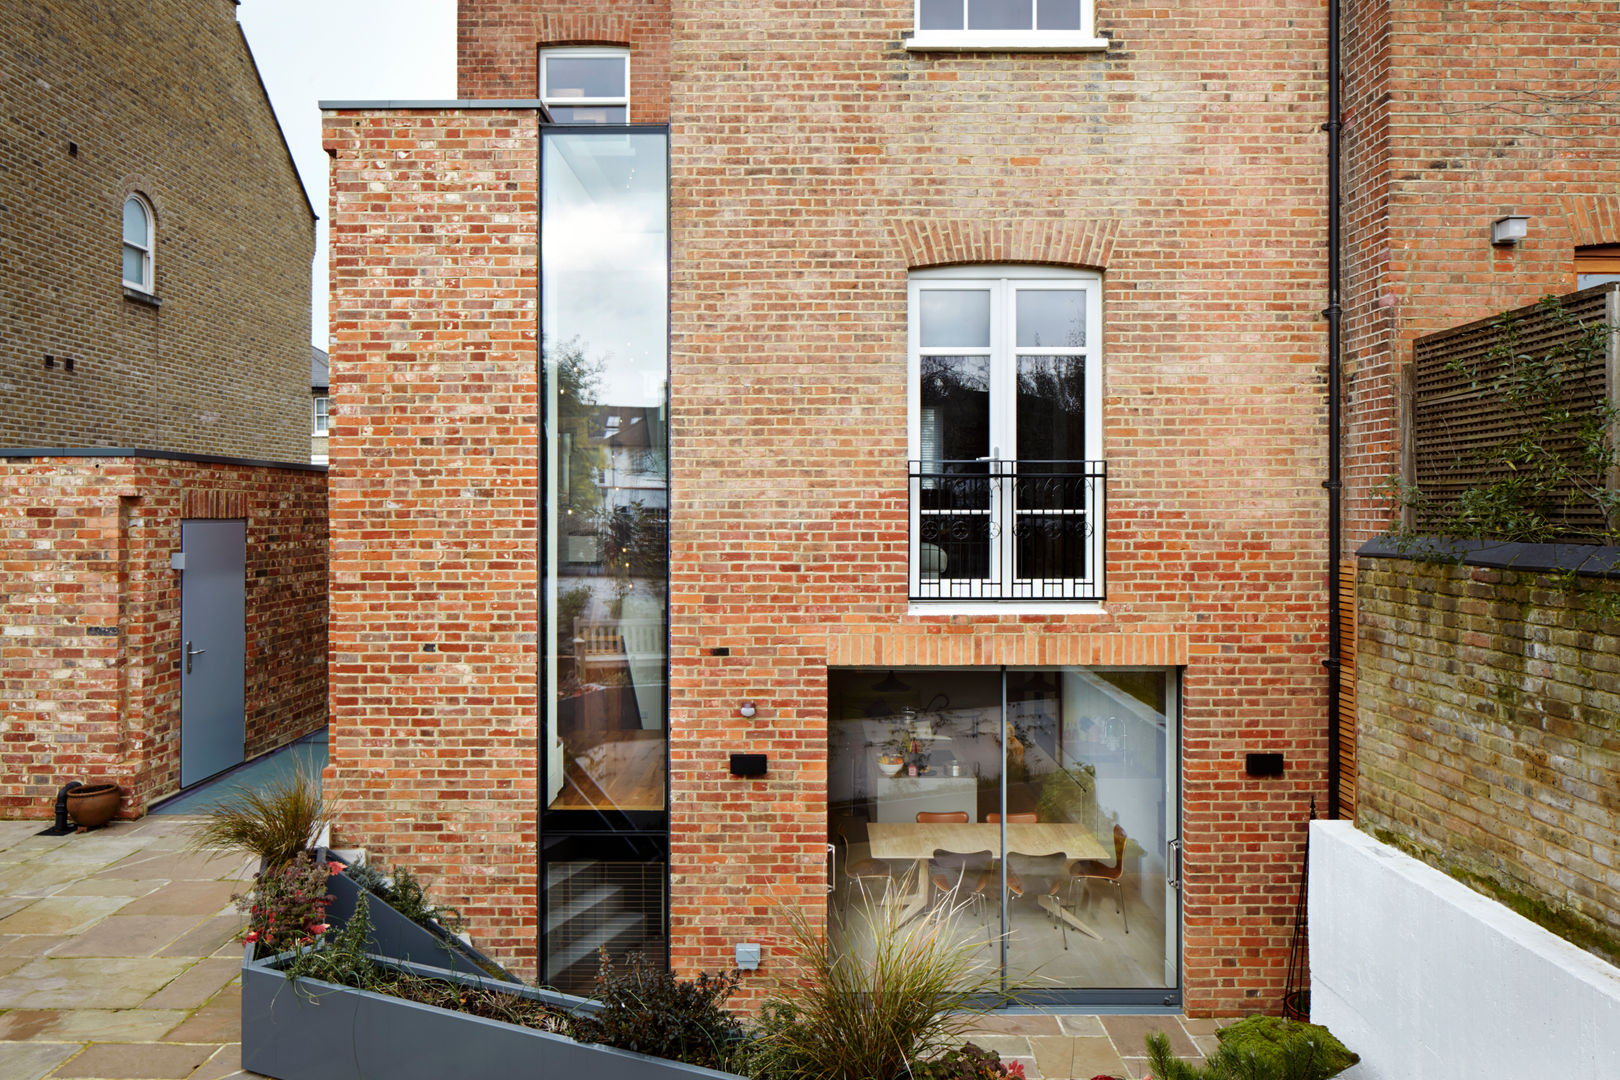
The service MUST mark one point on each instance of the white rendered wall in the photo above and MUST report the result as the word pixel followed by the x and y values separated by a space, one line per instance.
pixel 1427 979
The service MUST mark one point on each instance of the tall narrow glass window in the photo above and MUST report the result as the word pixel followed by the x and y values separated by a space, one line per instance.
pixel 604 271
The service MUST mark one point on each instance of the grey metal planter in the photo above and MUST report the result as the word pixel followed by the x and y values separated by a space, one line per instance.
pixel 318 1031
pixel 398 938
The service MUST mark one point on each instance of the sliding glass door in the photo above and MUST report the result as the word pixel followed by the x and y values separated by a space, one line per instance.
pixel 1039 804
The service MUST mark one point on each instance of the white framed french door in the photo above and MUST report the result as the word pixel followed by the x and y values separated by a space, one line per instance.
pixel 1006 433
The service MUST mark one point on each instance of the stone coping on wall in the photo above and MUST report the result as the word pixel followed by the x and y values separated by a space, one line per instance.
pixel 150 455
pixel 1592 560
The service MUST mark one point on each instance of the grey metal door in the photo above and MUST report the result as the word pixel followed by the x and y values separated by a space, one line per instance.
pixel 212 647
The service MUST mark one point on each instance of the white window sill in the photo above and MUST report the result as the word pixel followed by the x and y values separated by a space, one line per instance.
pixel 1005 607
pixel 1005 41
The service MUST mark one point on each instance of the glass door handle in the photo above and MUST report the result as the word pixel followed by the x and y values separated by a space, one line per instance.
pixel 1175 882
pixel 831 856
pixel 190 652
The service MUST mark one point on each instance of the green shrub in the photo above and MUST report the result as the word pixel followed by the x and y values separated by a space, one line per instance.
pixel 405 894
pixel 274 822
pixel 843 1015
pixel 1258 1048
pixel 648 1010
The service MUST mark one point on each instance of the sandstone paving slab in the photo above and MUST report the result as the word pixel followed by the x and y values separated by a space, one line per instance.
pixel 1203 1025
pixel 187 898
pixel 180 866
pixel 1089 1027
pixel 220 1021
pixel 9 904
pixel 1054 1055
pixel 30 1061
pixel 8 964
pixel 15 832
pixel 38 877
pixel 1130 1033
pixel 89 1025
pixel 227 1061
pixel 61 914
pixel 129 887
pixel 137 1061
pixel 76 983
pixel 196 984
pixel 32 845
pixel 208 937
pixel 29 945
pixel 1092 1056
pixel 1136 1068
pixel 128 935
pixel 1016 1024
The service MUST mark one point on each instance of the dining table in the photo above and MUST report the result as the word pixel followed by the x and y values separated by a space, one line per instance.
pixel 919 841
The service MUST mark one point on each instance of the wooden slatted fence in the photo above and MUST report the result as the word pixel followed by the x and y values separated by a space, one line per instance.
pixel 1456 414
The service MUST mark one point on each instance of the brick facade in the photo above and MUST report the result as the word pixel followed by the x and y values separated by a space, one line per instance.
pixel 90 650
pixel 1455 115
pixel 814 162
pixel 434 477
pixel 105 99
pixel 1488 700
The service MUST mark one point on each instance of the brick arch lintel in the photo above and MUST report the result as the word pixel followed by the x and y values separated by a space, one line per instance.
pixel 581 28
pixel 916 646
pixel 1593 219
pixel 140 184
pixel 933 241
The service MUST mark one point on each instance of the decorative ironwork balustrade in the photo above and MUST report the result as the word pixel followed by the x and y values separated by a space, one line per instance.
pixel 1008 530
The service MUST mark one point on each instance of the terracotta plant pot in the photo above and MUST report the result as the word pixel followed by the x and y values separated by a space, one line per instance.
pixel 95 805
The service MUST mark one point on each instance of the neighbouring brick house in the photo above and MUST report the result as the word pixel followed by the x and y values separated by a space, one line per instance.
pixel 154 312
pixel 1485 689
pixel 992 395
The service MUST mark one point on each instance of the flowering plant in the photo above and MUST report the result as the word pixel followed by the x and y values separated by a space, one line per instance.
pixel 968 1063
pixel 287 907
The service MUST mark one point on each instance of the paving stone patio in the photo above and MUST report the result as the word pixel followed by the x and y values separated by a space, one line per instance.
pixel 118 957
pixel 118 961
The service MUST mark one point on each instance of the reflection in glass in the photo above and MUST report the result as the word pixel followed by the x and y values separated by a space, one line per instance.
pixel 1051 318
pixel 603 289
pixel 1057 14
pixel 955 318
pixel 585 77
pixel 1000 15
pixel 923 763
pixel 939 15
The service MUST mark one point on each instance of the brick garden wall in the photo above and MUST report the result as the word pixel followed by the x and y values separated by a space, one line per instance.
pixel 433 453
pixel 90 617
pixel 1457 114
pixel 104 98
pixel 1488 703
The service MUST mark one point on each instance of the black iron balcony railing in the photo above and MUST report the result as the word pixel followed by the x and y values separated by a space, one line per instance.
pixel 1008 530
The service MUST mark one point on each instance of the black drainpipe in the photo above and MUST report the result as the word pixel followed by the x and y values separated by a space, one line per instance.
pixel 1333 483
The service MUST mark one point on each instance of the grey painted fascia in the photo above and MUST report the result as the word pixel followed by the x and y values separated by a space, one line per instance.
pixel 451 103
pixel 1588 560
pixel 150 455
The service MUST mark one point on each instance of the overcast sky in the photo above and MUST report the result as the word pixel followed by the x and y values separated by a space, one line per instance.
pixel 334 50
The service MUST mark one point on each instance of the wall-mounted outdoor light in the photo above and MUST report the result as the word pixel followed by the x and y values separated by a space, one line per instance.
pixel 747 710
pixel 1509 230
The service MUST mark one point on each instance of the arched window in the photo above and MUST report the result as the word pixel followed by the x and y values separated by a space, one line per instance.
pixel 138 244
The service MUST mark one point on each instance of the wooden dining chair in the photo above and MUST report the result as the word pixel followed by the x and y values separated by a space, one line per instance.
pixel 948 869
pixel 868 875
pixel 1015 884
pixel 1083 870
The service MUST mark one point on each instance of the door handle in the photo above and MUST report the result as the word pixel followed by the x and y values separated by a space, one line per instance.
pixel 1175 882
pixel 832 857
pixel 190 652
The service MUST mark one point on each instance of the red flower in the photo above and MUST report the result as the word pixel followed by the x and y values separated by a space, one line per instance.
pixel 319 928
pixel 252 935
pixel 1015 1068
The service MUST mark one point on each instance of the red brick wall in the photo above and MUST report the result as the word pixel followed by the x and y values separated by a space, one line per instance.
pixel 433 458
pixel 1457 114
pixel 1186 164
pixel 90 617
pixel 499 43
